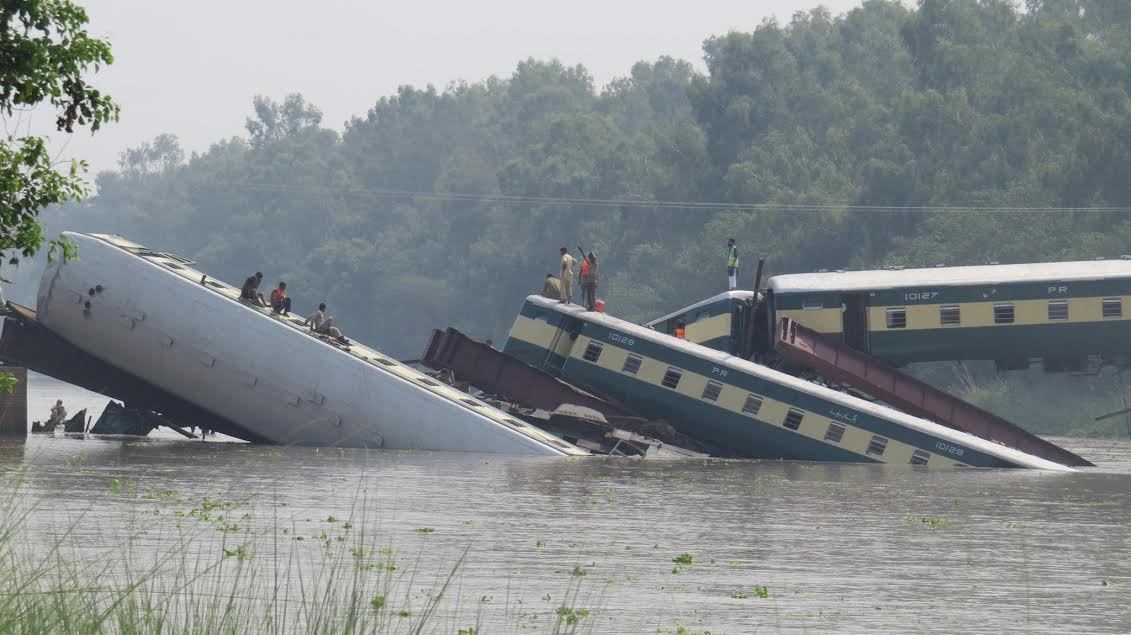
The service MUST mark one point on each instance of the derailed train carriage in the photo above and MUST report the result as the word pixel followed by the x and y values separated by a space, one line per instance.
pixel 1059 312
pixel 734 403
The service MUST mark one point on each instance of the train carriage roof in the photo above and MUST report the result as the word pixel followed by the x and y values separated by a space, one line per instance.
pixel 801 385
pixel 726 295
pixel 951 276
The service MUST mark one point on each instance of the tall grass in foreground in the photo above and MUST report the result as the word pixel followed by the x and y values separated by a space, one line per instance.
pixel 187 565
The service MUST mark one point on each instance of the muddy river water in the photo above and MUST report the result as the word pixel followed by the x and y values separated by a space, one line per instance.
pixel 601 545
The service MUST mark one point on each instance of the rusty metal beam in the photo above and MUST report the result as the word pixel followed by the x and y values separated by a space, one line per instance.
pixel 841 363
pixel 496 372
pixel 13 405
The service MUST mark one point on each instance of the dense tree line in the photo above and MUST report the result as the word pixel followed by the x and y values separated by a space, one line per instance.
pixel 835 138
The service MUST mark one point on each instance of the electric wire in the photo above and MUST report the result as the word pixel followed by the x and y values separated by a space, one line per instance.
pixel 640 203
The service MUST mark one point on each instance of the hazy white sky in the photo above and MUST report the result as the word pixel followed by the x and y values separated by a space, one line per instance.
pixel 192 67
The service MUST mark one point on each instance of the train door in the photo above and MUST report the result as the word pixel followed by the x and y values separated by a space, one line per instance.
pixel 561 345
pixel 856 321
pixel 741 319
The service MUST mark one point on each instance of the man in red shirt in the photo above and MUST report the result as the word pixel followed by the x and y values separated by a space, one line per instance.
pixel 280 303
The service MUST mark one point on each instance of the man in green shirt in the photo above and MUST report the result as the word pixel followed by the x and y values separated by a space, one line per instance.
pixel 732 265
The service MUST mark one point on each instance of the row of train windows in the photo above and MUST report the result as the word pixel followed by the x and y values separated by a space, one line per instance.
pixel 751 406
pixel 951 314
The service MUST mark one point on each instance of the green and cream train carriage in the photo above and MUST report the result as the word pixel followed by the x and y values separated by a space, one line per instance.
pixel 717 322
pixel 731 403
pixel 1060 312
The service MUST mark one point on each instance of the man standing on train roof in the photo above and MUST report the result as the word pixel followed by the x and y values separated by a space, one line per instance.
pixel 567 275
pixel 732 265
pixel 588 280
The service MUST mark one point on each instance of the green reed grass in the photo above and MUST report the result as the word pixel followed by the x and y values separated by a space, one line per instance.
pixel 166 569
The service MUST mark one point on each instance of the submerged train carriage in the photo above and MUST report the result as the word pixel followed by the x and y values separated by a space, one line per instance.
pixel 733 403
pixel 155 317
pixel 1060 312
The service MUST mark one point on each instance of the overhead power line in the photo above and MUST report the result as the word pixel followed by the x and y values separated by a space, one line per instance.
pixel 505 199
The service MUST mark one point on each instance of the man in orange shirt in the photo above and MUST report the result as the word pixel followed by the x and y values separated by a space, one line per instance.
pixel 280 303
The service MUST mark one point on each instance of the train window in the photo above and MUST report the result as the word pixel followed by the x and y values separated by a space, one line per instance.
pixel 753 405
pixel 1113 308
pixel 950 315
pixel 897 317
pixel 1058 310
pixel 877 446
pixel 632 364
pixel 592 352
pixel 793 419
pixel 835 432
pixel 812 305
pixel 920 457
pixel 1003 313
pixel 712 390
pixel 672 377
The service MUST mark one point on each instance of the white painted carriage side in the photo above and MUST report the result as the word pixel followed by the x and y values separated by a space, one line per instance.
pixel 260 372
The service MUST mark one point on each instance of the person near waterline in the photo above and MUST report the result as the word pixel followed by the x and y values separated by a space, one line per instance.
pixel 588 280
pixel 280 303
pixel 250 289
pixel 566 276
pixel 553 288
pixel 732 265
pixel 323 325
pixel 58 413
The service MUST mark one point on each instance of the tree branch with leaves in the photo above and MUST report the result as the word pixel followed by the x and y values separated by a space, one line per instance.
pixel 45 55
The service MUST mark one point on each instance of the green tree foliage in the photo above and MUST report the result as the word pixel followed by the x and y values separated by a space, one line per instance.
pixel 45 54
pixel 835 137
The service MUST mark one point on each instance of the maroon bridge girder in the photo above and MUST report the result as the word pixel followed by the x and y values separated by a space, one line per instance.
pixel 496 372
pixel 841 363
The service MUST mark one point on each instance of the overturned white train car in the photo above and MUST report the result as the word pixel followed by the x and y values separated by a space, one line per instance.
pixel 152 315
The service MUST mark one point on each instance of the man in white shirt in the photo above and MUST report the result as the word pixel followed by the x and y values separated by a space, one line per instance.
pixel 567 275
pixel 323 325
